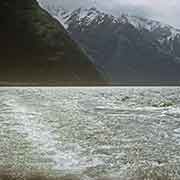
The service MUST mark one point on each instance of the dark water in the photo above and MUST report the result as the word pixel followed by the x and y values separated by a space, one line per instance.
pixel 91 132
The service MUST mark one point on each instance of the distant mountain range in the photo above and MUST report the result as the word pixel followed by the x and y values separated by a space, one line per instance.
pixel 130 49
pixel 35 49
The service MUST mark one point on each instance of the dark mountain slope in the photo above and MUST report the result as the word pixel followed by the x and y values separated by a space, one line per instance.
pixel 131 49
pixel 36 50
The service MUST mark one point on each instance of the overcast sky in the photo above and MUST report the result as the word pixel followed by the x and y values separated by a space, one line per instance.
pixel 167 11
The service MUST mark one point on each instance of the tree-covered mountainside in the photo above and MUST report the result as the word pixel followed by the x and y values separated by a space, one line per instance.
pixel 36 50
pixel 132 50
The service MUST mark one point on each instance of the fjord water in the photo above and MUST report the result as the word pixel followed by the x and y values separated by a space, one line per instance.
pixel 90 132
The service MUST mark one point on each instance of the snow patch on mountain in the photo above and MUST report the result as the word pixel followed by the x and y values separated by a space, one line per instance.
pixel 87 16
pixel 62 16
pixel 141 23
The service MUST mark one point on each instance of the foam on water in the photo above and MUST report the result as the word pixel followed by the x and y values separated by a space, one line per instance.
pixel 45 144
pixel 90 131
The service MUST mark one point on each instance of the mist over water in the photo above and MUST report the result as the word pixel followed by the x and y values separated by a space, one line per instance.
pixel 90 132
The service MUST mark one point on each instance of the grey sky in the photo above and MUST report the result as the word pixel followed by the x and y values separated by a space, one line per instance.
pixel 167 11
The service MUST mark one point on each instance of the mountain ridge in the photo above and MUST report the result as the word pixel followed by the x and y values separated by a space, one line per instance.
pixel 129 48
pixel 62 14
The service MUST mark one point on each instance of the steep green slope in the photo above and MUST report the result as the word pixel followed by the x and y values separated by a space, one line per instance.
pixel 36 50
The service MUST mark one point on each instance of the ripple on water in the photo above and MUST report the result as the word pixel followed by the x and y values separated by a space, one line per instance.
pixel 95 132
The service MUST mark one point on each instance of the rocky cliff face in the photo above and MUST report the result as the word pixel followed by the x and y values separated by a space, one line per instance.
pixel 131 49
pixel 36 50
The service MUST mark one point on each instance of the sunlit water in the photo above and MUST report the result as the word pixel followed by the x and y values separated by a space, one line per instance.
pixel 91 132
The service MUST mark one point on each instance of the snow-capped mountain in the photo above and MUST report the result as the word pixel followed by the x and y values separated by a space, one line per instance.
pixel 88 16
pixel 127 47
pixel 163 33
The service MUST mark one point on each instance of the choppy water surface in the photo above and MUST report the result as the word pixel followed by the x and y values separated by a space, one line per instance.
pixel 90 131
